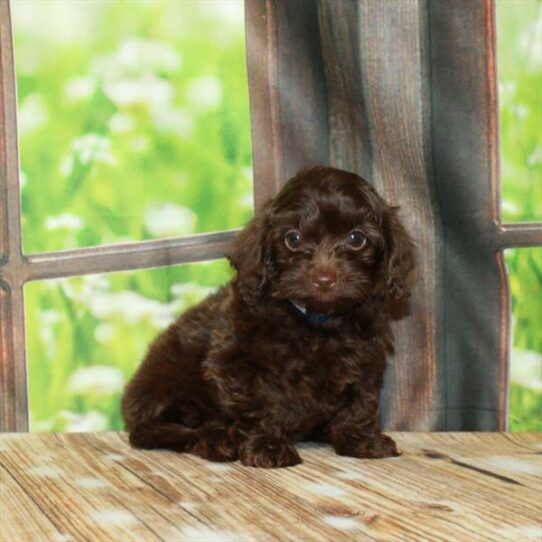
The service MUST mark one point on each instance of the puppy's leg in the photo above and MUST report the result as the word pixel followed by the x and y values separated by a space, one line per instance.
pixel 211 441
pixel 355 431
pixel 266 450
pixel 265 445
pixel 167 404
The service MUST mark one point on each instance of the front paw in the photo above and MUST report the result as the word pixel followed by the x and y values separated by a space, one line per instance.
pixel 215 444
pixel 268 452
pixel 369 447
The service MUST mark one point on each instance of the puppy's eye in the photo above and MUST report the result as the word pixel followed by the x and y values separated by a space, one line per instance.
pixel 356 240
pixel 292 239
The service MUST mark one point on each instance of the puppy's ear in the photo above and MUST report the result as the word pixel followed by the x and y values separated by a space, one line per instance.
pixel 401 257
pixel 249 255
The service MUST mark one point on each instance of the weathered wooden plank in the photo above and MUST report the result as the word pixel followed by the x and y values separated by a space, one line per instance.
pixel 271 504
pixel 23 520
pixel 456 486
pixel 287 87
pixel 13 397
pixel 10 223
pixel 473 336
pixel 71 496
pixel 393 57
pixel 13 378
pixel 126 256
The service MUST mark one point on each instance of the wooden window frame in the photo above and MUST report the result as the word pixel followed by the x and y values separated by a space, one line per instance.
pixel 281 143
pixel 17 268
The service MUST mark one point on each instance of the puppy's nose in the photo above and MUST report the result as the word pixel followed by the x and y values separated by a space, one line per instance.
pixel 324 280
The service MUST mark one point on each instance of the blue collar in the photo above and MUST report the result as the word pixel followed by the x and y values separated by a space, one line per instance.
pixel 314 318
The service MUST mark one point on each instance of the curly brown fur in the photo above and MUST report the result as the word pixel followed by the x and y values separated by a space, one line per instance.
pixel 245 374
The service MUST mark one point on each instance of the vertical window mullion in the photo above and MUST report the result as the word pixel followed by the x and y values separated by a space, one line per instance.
pixel 14 387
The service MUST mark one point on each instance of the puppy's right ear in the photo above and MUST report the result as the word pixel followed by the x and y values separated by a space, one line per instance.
pixel 249 255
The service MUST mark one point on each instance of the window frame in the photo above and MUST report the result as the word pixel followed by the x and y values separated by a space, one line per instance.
pixel 17 268
pixel 280 145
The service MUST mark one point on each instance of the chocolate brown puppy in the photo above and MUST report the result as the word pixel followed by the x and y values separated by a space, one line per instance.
pixel 294 347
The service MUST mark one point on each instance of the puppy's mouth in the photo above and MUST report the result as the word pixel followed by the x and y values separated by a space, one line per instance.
pixel 322 304
pixel 332 300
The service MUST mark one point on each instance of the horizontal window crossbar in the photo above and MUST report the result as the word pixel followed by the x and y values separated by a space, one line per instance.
pixel 526 234
pixel 119 257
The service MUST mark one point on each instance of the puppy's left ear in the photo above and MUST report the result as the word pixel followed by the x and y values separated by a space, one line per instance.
pixel 249 255
pixel 401 257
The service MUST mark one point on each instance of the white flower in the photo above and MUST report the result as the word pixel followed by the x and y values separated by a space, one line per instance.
pixel 520 110
pixel 66 167
pixel 79 88
pixel 131 308
pixel 86 149
pixel 93 147
pixel 136 55
pixel 190 293
pixel 161 321
pixel 81 289
pixel 530 41
pixel 227 15
pixel 169 220
pixel 526 368
pixel 174 119
pixel 23 179
pixel 64 221
pixel 32 114
pixel 50 317
pixel 247 200
pixel 129 75
pixel 140 143
pixel 121 122
pixel 535 157
pixel 147 89
pixel 205 92
pixel 96 379
pixel 48 320
pixel 104 332
pixel 509 207
pixel 247 174
pixel 82 423
pixel 230 11
pixel 507 91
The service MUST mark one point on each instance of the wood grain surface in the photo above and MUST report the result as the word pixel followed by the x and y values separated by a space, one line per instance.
pixel 445 487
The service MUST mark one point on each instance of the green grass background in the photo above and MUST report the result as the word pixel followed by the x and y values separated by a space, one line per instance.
pixel 134 124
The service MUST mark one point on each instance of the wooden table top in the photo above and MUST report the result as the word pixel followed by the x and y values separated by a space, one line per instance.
pixel 445 486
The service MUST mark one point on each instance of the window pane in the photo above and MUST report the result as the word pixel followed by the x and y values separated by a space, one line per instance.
pixel 133 119
pixel 519 25
pixel 86 336
pixel 525 271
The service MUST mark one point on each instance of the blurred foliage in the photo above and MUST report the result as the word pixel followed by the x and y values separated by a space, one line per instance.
pixel 133 120
pixel 133 125
pixel 525 408
pixel 519 34
pixel 86 336
pixel 519 37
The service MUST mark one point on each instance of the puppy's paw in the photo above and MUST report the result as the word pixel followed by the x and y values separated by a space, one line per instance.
pixel 371 447
pixel 215 444
pixel 268 452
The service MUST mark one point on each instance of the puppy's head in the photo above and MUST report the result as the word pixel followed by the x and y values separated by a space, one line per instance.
pixel 327 241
